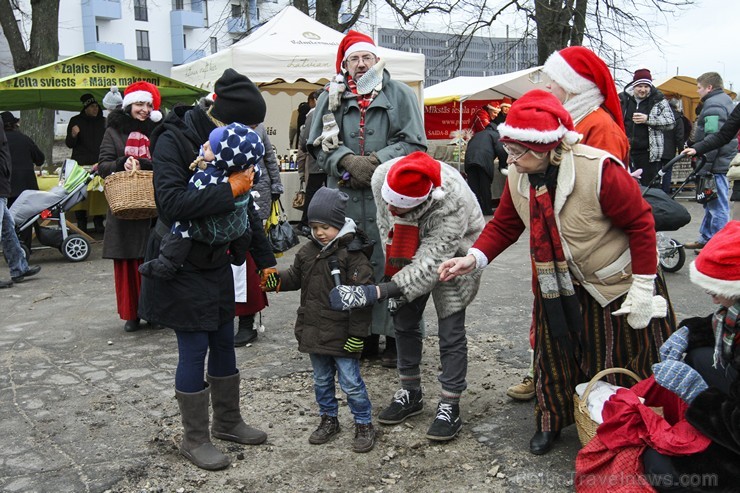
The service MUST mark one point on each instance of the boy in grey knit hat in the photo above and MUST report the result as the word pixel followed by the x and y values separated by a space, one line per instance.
pixel 337 253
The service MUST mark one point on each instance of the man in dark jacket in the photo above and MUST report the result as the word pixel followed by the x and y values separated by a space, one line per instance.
pixel 19 268
pixel 716 109
pixel 84 135
pixel 199 302
pixel 646 115
pixel 24 154
pixel 482 149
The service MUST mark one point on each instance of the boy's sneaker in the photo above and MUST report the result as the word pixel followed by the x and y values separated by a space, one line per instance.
pixel 364 438
pixel 447 424
pixel 405 403
pixel 328 427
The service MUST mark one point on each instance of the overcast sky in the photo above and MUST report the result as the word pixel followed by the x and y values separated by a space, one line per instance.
pixel 702 39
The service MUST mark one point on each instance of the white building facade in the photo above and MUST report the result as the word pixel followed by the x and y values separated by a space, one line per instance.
pixel 152 34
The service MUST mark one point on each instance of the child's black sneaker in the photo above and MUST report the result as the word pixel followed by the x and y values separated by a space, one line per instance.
pixel 405 403
pixel 447 424
pixel 328 427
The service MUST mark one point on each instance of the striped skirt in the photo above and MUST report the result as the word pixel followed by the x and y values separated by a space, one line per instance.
pixel 606 342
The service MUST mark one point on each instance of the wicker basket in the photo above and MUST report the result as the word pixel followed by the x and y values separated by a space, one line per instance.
pixel 130 194
pixel 584 424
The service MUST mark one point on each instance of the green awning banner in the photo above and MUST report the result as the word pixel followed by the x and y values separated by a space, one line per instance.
pixel 59 85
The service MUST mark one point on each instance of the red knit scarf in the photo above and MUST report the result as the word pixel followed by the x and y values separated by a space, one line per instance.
pixel 561 305
pixel 403 241
pixel 137 145
pixel 363 101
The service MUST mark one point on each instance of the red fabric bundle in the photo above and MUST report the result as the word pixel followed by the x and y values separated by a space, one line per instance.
pixel 612 459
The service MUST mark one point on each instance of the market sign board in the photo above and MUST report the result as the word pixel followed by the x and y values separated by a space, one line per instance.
pixel 59 85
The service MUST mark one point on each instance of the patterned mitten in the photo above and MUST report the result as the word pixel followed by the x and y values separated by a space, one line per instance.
pixel 641 306
pixel 270 279
pixel 679 378
pixel 354 345
pixel 345 298
pixel 674 347
pixel 329 138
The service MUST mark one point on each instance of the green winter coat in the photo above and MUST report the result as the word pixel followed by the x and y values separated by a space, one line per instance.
pixel 394 128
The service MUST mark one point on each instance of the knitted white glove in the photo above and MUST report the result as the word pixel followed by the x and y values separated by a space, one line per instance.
pixel 641 306
pixel 329 138
pixel 372 79
pixel 336 90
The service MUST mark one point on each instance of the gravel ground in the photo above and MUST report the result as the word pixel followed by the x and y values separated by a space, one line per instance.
pixel 89 408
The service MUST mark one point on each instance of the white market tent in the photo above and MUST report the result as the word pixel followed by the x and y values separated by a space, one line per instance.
pixel 461 89
pixel 288 57
pixel 292 53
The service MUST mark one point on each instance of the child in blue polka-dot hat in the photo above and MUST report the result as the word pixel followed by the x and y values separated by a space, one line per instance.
pixel 229 149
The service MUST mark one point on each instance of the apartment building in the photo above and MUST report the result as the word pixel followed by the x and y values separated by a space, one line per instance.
pixel 153 34
pixel 450 55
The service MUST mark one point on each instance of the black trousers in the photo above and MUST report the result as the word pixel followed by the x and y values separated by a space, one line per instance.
pixel 480 183
pixel 315 181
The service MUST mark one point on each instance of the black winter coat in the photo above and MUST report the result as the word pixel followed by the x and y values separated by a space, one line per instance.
pixel 86 145
pixel 318 328
pixel 201 296
pixel 123 238
pixel 24 154
pixel 483 148
pixel 4 165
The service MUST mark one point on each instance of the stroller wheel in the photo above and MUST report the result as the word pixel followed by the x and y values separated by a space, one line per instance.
pixel 75 248
pixel 26 250
pixel 672 259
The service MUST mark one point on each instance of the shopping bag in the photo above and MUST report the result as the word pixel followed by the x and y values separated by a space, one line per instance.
pixel 278 230
pixel 706 188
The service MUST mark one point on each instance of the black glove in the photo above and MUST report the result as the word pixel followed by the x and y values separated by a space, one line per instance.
pixel 275 196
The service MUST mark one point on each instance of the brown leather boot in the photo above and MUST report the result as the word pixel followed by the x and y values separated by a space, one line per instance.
pixel 227 419
pixel 196 442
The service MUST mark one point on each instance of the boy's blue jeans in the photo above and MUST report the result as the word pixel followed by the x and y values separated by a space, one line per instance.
pixel 716 212
pixel 350 381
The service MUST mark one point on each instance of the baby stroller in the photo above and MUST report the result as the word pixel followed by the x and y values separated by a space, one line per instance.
pixel 38 205
pixel 669 216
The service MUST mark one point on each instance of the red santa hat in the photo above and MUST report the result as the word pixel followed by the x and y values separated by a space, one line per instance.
pixel 577 69
pixel 539 122
pixel 144 92
pixel 353 42
pixel 411 179
pixel 717 267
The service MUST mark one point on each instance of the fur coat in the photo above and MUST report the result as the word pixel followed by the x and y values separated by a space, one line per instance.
pixel 447 228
